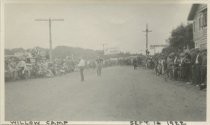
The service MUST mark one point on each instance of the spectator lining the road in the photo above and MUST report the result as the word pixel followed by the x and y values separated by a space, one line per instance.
pixel 204 70
pixel 134 63
pixel 188 66
pixel 198 62
pixel 81 66
pixel 99 62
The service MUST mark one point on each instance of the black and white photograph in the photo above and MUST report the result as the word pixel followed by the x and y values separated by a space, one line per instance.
pixel 105 61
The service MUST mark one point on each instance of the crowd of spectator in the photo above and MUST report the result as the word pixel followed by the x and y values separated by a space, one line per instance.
pixel 189 66
pixel 34 65
pixel 25 68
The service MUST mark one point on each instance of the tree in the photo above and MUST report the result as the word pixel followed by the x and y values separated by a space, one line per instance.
pixel 180 38
pixel 168 50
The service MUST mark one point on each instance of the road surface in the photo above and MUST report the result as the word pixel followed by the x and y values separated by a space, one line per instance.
pixel 119 94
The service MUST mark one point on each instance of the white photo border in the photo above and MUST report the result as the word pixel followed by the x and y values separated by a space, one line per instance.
pixel 2 46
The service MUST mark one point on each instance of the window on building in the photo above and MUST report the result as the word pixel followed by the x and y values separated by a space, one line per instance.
pixel 205 18
pixel 200 22
pixel 193 26
pixel 196 45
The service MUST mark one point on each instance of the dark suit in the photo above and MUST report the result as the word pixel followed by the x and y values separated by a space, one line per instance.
pixel 187 68
pixel 193 58
pixel 134 63
pixel 198 69
pixel 204 69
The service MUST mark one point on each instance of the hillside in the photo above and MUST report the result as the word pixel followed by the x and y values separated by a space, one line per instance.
pixel 61 52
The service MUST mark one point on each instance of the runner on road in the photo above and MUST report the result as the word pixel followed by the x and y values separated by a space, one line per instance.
pixel 134 63
pixel 99 62
pixel 81 66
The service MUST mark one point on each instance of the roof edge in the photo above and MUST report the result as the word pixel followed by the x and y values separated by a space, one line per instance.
pixel 192 11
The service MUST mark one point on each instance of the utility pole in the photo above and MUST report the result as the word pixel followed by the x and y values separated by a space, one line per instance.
pixel 103 48
pixel 50 20
pixel 147 31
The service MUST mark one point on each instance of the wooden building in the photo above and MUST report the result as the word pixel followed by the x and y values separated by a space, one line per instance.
pixel 198 15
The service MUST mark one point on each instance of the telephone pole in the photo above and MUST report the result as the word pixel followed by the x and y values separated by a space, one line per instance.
pixel 50 20
pixel 103 48
pixel 147 31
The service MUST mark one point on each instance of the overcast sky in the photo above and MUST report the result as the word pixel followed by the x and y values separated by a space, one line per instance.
pixel 91 25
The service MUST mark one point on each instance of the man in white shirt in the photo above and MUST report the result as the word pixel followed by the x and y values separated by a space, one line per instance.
pixel 81 66
pixel 198 62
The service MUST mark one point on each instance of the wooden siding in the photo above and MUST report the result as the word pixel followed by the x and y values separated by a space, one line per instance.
pixel 199 34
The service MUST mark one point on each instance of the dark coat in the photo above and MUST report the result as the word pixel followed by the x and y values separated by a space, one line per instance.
pixel 199 59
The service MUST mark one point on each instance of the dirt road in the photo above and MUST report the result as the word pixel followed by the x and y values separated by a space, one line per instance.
pixel 119 94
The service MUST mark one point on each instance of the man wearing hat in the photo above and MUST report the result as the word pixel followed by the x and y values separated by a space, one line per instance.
pixel 204 70
pixel 99 62
pixel 81 66
pixel 187 68
pixel 181 66
pixel 193 54
pixel 197 64
pixel 135 63
pixel 21 68
pixel 169 65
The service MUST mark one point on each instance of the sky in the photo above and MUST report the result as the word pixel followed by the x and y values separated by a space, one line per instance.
pixel 91 25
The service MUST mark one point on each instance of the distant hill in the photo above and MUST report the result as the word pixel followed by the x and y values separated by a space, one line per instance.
pixel 13 51
pixel 76 52
pixel 62 52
